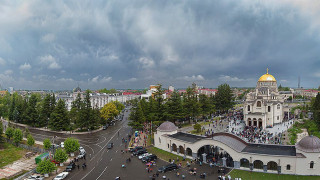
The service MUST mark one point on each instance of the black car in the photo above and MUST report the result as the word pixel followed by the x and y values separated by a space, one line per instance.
pixel 139 152
pixel 110 146
pixel 136 149
pixel 70 167
pixel 168 167
pixel 152 157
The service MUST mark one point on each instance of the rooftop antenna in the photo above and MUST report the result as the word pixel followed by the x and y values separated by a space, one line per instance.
pixel 299 82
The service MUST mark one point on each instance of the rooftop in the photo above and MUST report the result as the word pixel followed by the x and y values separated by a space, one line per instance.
pixel 269 149
pixel 186 137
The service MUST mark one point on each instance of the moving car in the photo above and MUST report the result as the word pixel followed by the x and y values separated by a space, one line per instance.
pixel 61 176
pixel 81 148
pixel 144 155
pixel 149 158
pixel 110 146
pixel 168 167
pixel 139 152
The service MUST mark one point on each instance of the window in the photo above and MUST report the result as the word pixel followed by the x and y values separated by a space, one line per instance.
pixel 259 104
pixel 269 109
pixel 278 106
pixel 159 140
pixel 248 107
pixel 288 167
pixel 311 164
pixel 168 146
pixel 277 117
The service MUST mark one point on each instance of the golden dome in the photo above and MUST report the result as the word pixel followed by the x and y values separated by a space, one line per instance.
pixel 267 77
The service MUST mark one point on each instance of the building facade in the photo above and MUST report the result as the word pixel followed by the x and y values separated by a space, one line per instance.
pixel 231 151
pixel 264 107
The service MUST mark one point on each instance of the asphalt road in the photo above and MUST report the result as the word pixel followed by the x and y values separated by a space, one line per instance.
pixel 105 164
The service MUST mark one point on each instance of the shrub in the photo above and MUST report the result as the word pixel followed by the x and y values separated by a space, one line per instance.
pixel 71 145
pixel 197 127
pixel 17 136
pixel 46 144
pixel 30 140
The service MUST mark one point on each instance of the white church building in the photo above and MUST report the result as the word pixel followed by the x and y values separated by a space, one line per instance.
pixel 265 106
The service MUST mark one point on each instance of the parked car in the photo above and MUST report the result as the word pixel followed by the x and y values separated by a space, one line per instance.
pixel 144 155
pixel 168 167
pixel 104 127
pixel 62 145
pixel 110 146
pixel 149 158
pixel 70 167
pixel 139 152
pixel 35 177
pixel 61 176
pixel 136 148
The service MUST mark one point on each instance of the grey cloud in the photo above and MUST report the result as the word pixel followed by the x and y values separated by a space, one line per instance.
pixel 106 43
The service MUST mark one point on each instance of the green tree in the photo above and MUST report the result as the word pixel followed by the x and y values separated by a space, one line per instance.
pixel 59 117
pixel 9 132
pixel 174 107
pixel 160 108
pixel 224 98
pixel 71 145
pixel 60 155
pixel 205 105
pixel 17 136
pixel 1 132
pixel 45 111
pixel 197 127
pixel 191 104
pixel 46 144
pixel 119 105
pixel 86 120
pixel 46 167
pixel 316 110
pixel 31 112
pixel 75 110
pixel 30 140
pixel 136 117
pixel 109 111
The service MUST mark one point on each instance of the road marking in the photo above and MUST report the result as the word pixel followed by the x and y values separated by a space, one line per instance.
pixel 88 173
pixel 105 145
pixel 102 172
pixel 116 151
pixel 111 159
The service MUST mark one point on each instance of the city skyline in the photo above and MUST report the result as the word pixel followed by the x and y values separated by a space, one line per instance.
pixel 121 44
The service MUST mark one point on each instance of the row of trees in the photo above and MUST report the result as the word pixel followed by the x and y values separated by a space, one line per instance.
pixel 46 112
pixel 316 110
pixel 186 106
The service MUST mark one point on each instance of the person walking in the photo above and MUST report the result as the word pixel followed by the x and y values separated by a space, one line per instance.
pixel 78 166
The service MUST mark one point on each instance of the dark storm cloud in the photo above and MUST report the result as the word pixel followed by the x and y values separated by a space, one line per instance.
pixel 126 44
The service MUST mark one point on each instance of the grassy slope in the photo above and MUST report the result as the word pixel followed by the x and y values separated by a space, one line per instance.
pixel 9 154
pixel 247 175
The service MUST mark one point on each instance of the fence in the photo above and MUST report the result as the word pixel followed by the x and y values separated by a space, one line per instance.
pixel 24 176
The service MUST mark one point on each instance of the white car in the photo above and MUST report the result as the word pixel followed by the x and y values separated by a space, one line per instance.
pixel 61 176
pixel 62 145
pixel 144 155
pixel 35 177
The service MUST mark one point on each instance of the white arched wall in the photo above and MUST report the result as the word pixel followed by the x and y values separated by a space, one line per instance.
pixel 282 161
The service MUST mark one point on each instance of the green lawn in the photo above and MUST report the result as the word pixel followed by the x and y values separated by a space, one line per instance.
pixel 166 155
pixel 10 153
pixel 247 175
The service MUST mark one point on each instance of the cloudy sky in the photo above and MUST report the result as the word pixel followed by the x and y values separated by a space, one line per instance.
pixel 132 44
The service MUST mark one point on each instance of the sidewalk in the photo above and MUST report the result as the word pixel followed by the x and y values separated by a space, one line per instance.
pixel 48 130
pixel 24 164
